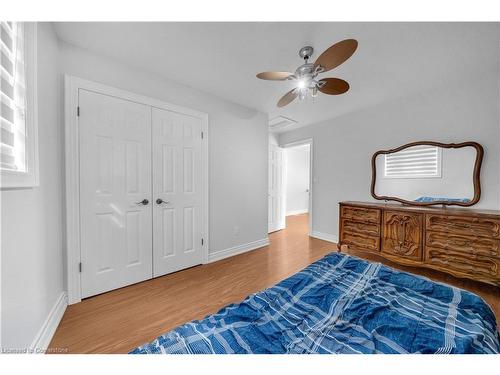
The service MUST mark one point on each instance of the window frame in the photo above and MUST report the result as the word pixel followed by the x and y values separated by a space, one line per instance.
pixel 30 177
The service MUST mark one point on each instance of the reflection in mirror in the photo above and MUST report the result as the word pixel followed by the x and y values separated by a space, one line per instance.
pixel 426 173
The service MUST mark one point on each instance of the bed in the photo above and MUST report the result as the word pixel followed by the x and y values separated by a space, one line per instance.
pixel 343 304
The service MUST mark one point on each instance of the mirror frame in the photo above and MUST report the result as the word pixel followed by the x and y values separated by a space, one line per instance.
pixel 476 173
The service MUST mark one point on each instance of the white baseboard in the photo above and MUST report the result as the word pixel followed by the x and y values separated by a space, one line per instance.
pixel 325 236
pixel 46 332
pixel 297 212
pixel 240 249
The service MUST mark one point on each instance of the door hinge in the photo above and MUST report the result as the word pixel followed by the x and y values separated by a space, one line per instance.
pixel 201 135
pixel 202 241
pixel 80 267
pixel 78 111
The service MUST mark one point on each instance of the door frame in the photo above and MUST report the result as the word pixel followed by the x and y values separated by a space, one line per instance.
pixel 72 85
pixel 301 142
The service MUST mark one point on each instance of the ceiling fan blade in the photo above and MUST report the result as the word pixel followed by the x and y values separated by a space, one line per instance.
pixel 288 97
pixel 274 76
pixel 337 54
pixel 333 86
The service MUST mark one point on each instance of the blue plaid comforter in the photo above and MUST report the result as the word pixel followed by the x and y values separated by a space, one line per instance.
pixel 342 304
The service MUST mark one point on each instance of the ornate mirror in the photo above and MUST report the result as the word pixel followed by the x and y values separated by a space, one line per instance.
pixel 428 173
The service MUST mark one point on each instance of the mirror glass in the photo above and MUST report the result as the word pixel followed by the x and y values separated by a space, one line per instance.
pixel 426 173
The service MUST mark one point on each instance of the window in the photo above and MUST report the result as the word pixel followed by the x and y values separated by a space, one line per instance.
pixel 18 112
pixel 414 162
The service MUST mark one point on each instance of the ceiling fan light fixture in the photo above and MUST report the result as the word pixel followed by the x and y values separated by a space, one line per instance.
pixel 301 83
pixel 314 91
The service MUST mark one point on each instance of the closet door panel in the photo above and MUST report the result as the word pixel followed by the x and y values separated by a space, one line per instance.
pixel 177 191
pixel 115 174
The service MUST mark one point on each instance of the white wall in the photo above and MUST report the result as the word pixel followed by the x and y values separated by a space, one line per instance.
pixel 238 145
pixel 343 147
pixel 297 180
pixel 32 256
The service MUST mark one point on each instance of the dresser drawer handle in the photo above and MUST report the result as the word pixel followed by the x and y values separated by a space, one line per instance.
pixel 362 227
pixel 458 242
pixel 459 225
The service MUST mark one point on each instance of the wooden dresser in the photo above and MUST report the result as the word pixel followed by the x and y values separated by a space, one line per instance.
pixel 464 242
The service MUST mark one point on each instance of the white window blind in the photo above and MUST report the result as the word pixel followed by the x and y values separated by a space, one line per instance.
pixel 414 162
pixel 13 97
pixel 18 105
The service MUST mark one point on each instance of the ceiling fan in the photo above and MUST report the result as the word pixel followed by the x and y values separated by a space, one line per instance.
pixel 305 76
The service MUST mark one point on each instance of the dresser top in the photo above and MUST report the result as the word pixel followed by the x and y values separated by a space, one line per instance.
pixel 446 210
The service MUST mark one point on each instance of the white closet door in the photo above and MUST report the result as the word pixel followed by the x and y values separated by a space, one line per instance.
pixel 276 208
pixel 177 191
pixel 115 175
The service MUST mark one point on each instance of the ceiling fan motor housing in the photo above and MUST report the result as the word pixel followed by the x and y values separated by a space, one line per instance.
pixel 307 72
pixel 305 76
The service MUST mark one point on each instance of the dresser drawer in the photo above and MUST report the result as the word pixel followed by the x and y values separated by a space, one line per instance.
pixel 463 225
pixel 471 245
pixel 474 266
pixel 360 214
pixel 366 229
pixel 360 242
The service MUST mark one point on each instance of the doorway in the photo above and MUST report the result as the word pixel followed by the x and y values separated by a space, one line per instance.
pixel 297 189
pixel 290 183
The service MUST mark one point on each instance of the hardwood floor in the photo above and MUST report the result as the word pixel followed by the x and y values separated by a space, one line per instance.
pixel 118 321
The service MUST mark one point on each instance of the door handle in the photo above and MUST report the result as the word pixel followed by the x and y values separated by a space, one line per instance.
pixel 144 202
pixel 160 201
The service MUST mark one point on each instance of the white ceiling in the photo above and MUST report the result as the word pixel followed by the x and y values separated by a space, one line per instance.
pixel 392 60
